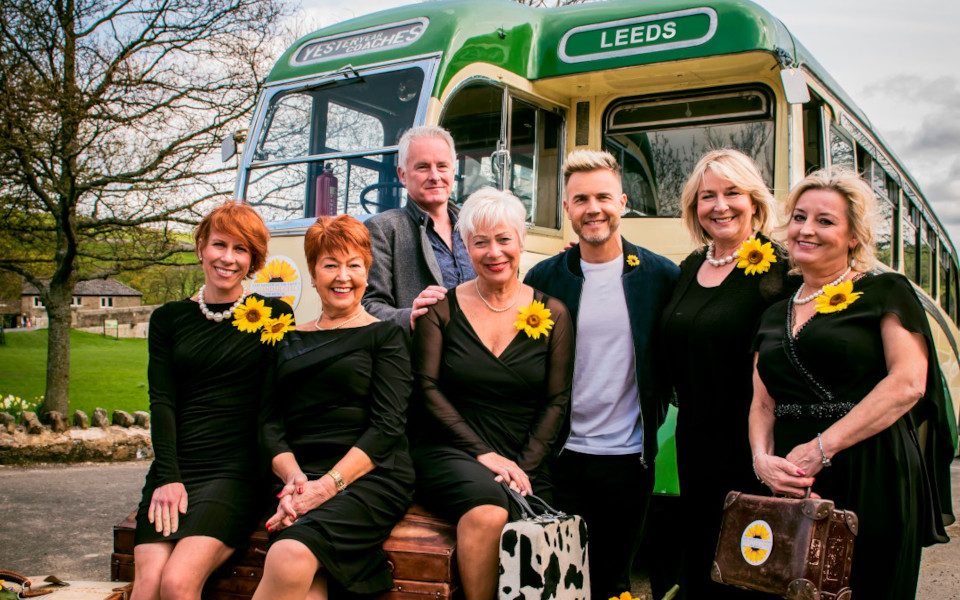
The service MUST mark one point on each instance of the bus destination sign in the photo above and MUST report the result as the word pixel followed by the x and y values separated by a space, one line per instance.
pixel 354 43
pixel 639 35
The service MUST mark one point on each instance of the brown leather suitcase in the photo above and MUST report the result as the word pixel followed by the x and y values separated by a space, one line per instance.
pixel 801 549
pixel 421 551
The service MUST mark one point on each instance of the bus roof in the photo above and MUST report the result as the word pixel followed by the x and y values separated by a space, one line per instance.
pixel 539 43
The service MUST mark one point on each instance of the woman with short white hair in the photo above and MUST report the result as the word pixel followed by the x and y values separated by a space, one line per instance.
pixel 494 363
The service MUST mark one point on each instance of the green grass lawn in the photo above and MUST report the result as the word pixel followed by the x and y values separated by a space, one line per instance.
pixel 104 372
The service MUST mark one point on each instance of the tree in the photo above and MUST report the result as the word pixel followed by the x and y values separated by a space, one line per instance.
pixel 111 116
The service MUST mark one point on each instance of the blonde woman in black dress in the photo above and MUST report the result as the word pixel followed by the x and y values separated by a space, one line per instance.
pixel 493 366
pixel 846 376
pixel 708 326
pixel 333 426
pixel 207 359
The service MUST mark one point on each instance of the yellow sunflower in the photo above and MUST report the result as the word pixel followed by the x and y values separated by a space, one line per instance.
pixel 277 271
pixel 534 319
pixel 836 297
pixel 250 316
pixel 756 553
pixel 274 329
pixel 624 595
pixel 633 261
pixel 755 257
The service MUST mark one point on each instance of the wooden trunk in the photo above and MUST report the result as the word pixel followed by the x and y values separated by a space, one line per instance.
pixel 421 552
pixel 798 549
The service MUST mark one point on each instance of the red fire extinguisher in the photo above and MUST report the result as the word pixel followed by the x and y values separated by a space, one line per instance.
pixel 326 200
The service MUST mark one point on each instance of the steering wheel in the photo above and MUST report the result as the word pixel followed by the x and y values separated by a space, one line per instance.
pixel 367 204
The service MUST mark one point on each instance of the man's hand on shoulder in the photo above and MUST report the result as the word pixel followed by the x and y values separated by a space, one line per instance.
pixel 428 297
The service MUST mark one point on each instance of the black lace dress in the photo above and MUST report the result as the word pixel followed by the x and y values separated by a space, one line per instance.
pixel 514 404
pixel 335 390
pixel 205 381
pixel 898 487
pixel 707 334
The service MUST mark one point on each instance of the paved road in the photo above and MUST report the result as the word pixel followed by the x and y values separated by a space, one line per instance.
pixel 59 520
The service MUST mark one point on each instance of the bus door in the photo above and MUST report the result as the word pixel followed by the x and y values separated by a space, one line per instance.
pixel 508 142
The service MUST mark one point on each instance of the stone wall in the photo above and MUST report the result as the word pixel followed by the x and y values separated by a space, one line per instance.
pixel 125 437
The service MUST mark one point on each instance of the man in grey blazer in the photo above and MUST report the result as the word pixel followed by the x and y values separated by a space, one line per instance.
pixel 417 256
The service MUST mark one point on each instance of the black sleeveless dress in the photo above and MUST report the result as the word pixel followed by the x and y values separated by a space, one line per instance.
pixel 898 488
pixel 205 383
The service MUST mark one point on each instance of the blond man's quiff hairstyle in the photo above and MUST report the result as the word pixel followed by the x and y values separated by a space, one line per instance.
pixel 584 161
pixel 861 208
pixel 740 170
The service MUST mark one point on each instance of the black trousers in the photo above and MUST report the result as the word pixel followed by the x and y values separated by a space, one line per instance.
pixel 611 493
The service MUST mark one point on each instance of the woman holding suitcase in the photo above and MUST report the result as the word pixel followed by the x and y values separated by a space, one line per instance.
pixel 846 375
pixel 495 386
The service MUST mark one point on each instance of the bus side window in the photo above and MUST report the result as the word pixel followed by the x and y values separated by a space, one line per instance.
pixel 813 155
pixel 841 149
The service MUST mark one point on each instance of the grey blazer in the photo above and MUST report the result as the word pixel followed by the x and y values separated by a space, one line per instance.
pixel 403 263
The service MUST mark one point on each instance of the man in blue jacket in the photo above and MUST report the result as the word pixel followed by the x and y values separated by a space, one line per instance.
pixel 615 292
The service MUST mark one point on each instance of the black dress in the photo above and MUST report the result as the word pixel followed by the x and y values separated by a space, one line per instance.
pixel 707 334
pixel 514 404
pixel 205 380
pixel 335 390
pixel 895 487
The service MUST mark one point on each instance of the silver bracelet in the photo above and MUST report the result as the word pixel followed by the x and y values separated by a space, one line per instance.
pixel 755 474
pixel 823 455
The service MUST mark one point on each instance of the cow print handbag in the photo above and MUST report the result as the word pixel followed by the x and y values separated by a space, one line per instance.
pixel 543 555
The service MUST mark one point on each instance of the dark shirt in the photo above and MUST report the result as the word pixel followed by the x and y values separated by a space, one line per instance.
pixel 455 265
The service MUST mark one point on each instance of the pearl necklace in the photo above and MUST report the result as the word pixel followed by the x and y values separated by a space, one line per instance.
pixel 798 300
pixel 720 262
pixel 217 316
pixel 476 284
pixel 353 318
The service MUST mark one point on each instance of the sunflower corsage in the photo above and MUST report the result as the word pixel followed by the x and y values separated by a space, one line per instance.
pixel 254 315
pixel 534 319
pixel 836 297
pixel 633 260
pixel 755 257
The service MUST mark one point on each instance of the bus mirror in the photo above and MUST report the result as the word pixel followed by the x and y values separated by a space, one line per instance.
pixel 228 149
pixel 231 144
pixel 794 86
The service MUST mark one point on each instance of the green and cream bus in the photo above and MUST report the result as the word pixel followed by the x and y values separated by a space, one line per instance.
pixel 657 83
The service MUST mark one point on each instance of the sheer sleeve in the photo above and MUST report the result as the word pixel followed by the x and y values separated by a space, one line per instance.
pixel 549 425
pixel 428 350
pixel 389 393
pixel 163 396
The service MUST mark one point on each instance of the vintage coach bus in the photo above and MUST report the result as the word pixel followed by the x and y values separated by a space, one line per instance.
pixel 657 83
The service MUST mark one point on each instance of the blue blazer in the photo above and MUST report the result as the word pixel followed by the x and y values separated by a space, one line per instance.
pixel 648 287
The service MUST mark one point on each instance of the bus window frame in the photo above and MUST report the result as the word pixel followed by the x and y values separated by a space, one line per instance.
pixel 427 63
pixel 765 90
pixel 510 92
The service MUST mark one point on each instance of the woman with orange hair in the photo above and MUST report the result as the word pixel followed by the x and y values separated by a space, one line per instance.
pixel 205 375
pixel 333 424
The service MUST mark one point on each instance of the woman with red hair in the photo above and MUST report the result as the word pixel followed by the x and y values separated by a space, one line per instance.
pixel 205 374
pixel 333 424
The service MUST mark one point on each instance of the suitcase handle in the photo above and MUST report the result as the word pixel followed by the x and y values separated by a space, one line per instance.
pixel 527 508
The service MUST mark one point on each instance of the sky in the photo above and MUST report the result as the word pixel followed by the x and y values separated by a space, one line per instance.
pixel 892 58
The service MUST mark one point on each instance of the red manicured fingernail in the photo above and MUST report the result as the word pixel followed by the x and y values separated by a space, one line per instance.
pixel 280 495
pixel 300 490
pixel 801 472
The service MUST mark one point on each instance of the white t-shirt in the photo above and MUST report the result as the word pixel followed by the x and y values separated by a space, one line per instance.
pixel 605 416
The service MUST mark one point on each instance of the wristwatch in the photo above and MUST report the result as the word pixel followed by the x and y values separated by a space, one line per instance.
pixel 338 479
